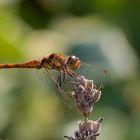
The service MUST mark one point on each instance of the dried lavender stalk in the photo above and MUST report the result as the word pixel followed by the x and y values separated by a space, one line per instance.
pixel 85 95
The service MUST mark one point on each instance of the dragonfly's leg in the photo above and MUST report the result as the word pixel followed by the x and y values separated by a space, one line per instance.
pixel 65 80
pixel 59 83
pixel 59 80
pixel 62 91
pixel 71 73
pixel 97 134
pixel 74 73
pixel 67 70
pixel 69 138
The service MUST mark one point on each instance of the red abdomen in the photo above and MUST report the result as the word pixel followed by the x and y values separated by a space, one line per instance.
pixel 30 64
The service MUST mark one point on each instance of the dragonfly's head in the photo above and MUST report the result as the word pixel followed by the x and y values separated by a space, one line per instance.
pixel 73 62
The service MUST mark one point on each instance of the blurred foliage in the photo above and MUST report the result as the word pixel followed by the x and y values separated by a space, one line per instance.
pixel 102 33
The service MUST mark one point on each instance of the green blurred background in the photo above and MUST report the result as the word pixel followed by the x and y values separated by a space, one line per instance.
pixel 101 32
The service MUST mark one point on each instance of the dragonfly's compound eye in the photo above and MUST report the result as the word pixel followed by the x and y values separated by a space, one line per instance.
pixel 73 62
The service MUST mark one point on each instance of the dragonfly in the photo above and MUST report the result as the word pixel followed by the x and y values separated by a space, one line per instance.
pixel 66 65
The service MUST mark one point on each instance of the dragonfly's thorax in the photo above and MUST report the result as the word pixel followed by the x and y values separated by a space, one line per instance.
pixel 52 62
pixel 59 62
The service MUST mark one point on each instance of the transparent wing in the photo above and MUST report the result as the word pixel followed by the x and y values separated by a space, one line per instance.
pixel 98 73
pixel 49 78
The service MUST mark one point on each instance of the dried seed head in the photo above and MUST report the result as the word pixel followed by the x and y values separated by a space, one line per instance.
pixel 88 130
pixel 90 125
pixel 81 80
pixel 85 95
